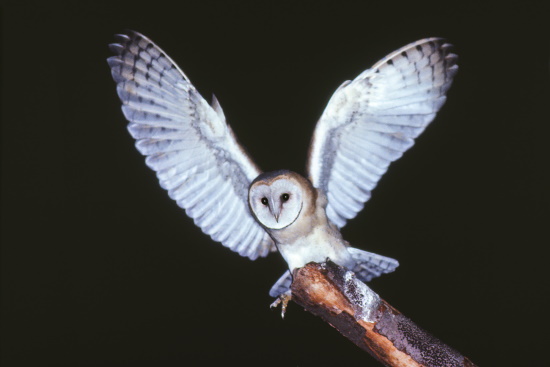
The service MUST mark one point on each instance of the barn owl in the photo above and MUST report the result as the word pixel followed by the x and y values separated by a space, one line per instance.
pixel 368 123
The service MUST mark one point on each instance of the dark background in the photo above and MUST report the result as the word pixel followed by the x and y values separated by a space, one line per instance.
pixel 101 268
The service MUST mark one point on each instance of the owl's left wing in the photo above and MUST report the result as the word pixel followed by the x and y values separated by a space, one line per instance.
pixel 371 121
pixel 189 144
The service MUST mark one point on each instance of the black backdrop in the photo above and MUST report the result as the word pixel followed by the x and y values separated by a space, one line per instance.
pixel 101 268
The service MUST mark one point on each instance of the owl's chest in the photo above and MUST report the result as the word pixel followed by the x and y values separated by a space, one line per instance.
pixel 317 246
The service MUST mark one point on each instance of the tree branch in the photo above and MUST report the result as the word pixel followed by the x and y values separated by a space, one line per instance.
pixel 334 294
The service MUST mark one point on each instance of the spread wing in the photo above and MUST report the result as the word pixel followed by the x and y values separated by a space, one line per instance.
pixel 188 143
pixel 371 121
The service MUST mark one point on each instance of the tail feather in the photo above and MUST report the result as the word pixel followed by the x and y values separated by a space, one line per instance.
pixel 369 265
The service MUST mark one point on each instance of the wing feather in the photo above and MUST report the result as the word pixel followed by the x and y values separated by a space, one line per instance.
pixel 188 143
pixel 371 121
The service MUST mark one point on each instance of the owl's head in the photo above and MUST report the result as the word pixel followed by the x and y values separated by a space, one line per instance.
pixel 277 198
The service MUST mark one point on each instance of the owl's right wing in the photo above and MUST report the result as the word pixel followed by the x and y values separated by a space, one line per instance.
pixel 371 121
pixel 189 144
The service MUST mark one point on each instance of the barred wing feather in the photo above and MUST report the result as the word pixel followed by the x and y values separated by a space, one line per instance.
pixel 371 121
pixel 188 143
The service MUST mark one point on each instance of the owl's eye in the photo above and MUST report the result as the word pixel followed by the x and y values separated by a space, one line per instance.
pixel 264 201
pixel 285 197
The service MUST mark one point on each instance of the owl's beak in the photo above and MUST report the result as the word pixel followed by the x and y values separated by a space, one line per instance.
pixel 275 210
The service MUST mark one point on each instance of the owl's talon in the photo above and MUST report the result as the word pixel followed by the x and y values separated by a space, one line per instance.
pixel 283 299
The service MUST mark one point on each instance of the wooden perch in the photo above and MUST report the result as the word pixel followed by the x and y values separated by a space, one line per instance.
pixel 334 294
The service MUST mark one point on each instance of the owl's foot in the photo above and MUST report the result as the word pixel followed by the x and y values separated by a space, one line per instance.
pixel 283 299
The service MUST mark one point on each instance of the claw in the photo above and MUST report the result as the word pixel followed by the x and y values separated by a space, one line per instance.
pixel 283 299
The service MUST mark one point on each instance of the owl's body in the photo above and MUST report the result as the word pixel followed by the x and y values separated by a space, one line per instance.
pixel 317 243
pixel 307 235
pixel 368 123
pixel 310 237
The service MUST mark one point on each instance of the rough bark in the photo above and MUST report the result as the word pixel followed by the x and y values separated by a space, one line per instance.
pixel 334 294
